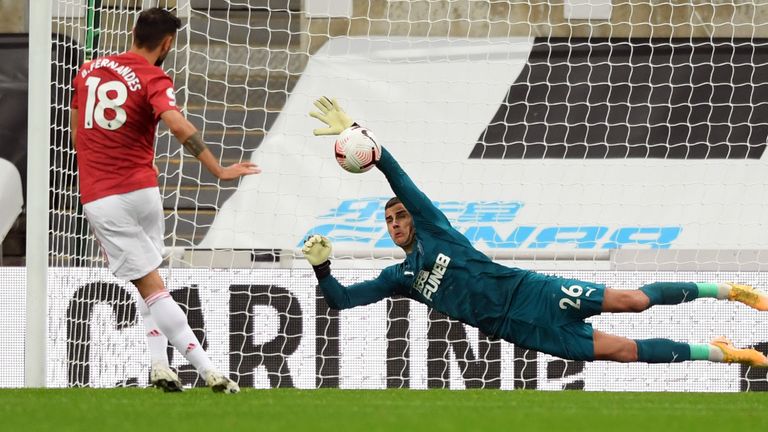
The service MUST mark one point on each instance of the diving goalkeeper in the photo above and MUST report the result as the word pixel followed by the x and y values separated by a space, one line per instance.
pixel 544 313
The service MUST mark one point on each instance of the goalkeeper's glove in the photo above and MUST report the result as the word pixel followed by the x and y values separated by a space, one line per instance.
pixel 316 250
pixel 332 115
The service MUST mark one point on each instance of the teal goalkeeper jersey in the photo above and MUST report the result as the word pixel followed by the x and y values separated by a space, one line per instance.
pixel 443 271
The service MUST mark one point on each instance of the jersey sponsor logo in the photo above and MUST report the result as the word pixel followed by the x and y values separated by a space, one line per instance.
pixel 487 225
pixel 171 96
pixel 418 283
pixel 427 283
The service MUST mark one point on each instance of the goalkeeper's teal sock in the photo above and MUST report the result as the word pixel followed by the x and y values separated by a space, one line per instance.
pixel 667 293
pixel 719 291
pixel 662 351
pixel 707 352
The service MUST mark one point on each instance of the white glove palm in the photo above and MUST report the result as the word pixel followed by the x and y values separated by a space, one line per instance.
pixel 332 115
pixel 317 249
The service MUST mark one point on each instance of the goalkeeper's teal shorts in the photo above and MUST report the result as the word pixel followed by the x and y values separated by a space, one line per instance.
pixel 547 315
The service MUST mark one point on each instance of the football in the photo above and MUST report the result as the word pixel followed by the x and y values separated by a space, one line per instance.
pixel 357 150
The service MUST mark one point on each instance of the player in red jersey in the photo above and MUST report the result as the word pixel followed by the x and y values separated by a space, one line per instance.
pixel 116 105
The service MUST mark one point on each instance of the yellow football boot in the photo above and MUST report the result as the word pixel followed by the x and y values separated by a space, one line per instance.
pixel 747 356
pixel 749 296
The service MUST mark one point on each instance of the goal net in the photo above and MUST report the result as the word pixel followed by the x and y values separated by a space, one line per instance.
pixel 619 143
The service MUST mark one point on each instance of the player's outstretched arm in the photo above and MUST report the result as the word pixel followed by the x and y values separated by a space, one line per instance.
pixel 416 201
pixel 316 250
pixel 187 134
pixel 418 204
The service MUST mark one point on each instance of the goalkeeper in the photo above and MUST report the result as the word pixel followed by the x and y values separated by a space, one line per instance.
pixel 544 313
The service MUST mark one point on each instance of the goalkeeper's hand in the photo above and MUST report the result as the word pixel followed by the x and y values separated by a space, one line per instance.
pixel 332 115
pixel 317 249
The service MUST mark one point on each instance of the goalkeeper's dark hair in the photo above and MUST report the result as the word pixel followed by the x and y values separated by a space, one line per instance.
pixel 392 201
pixel 152 26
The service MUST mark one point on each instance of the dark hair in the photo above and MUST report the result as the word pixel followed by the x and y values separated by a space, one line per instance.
pixel 392 201
pixel 152 26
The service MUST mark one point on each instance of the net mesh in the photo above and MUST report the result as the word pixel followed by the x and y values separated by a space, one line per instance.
pixel 628 142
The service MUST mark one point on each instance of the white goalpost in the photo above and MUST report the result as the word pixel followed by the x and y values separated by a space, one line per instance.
pixel 36 335
pixel 621 143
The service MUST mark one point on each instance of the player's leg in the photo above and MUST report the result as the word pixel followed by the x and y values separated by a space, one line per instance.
pixel 166 312
pixel 614 348
pixel 669 293
pixel 150 221
pixel 615 300
pixel 156 340
pixel 625 350
pixel 173 323
pixel 621 349
pixel 122 223
pixel 114 224
pixel 161 375
pixel 552 322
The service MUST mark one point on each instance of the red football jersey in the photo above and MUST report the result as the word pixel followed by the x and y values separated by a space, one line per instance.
pixel 119 100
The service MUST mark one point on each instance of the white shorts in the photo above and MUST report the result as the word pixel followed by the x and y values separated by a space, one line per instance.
pixel 129 228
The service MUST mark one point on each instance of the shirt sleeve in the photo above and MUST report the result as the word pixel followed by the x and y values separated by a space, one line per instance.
pixel 161 94
pixel 421 208
pixel 362 293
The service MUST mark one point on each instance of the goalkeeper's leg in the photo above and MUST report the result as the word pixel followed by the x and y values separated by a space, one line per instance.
pixel 668 293
pixel 173 323
pixel 720 350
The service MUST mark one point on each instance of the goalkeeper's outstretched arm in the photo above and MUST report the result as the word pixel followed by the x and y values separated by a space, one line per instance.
pixel 417 203
pixel 317 249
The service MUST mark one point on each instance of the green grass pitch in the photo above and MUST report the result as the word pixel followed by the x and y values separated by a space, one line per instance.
pixel 135 409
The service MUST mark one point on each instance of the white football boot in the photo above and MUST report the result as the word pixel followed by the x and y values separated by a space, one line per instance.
pixel 219 383
pixel 164 378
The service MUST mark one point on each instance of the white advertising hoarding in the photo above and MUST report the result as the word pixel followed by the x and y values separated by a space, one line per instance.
pixel 270 328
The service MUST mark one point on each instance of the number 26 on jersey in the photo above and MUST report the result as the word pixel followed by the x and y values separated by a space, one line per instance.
pixel 573 292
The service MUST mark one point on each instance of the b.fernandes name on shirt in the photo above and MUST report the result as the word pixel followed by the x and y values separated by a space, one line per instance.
pixel 130 77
